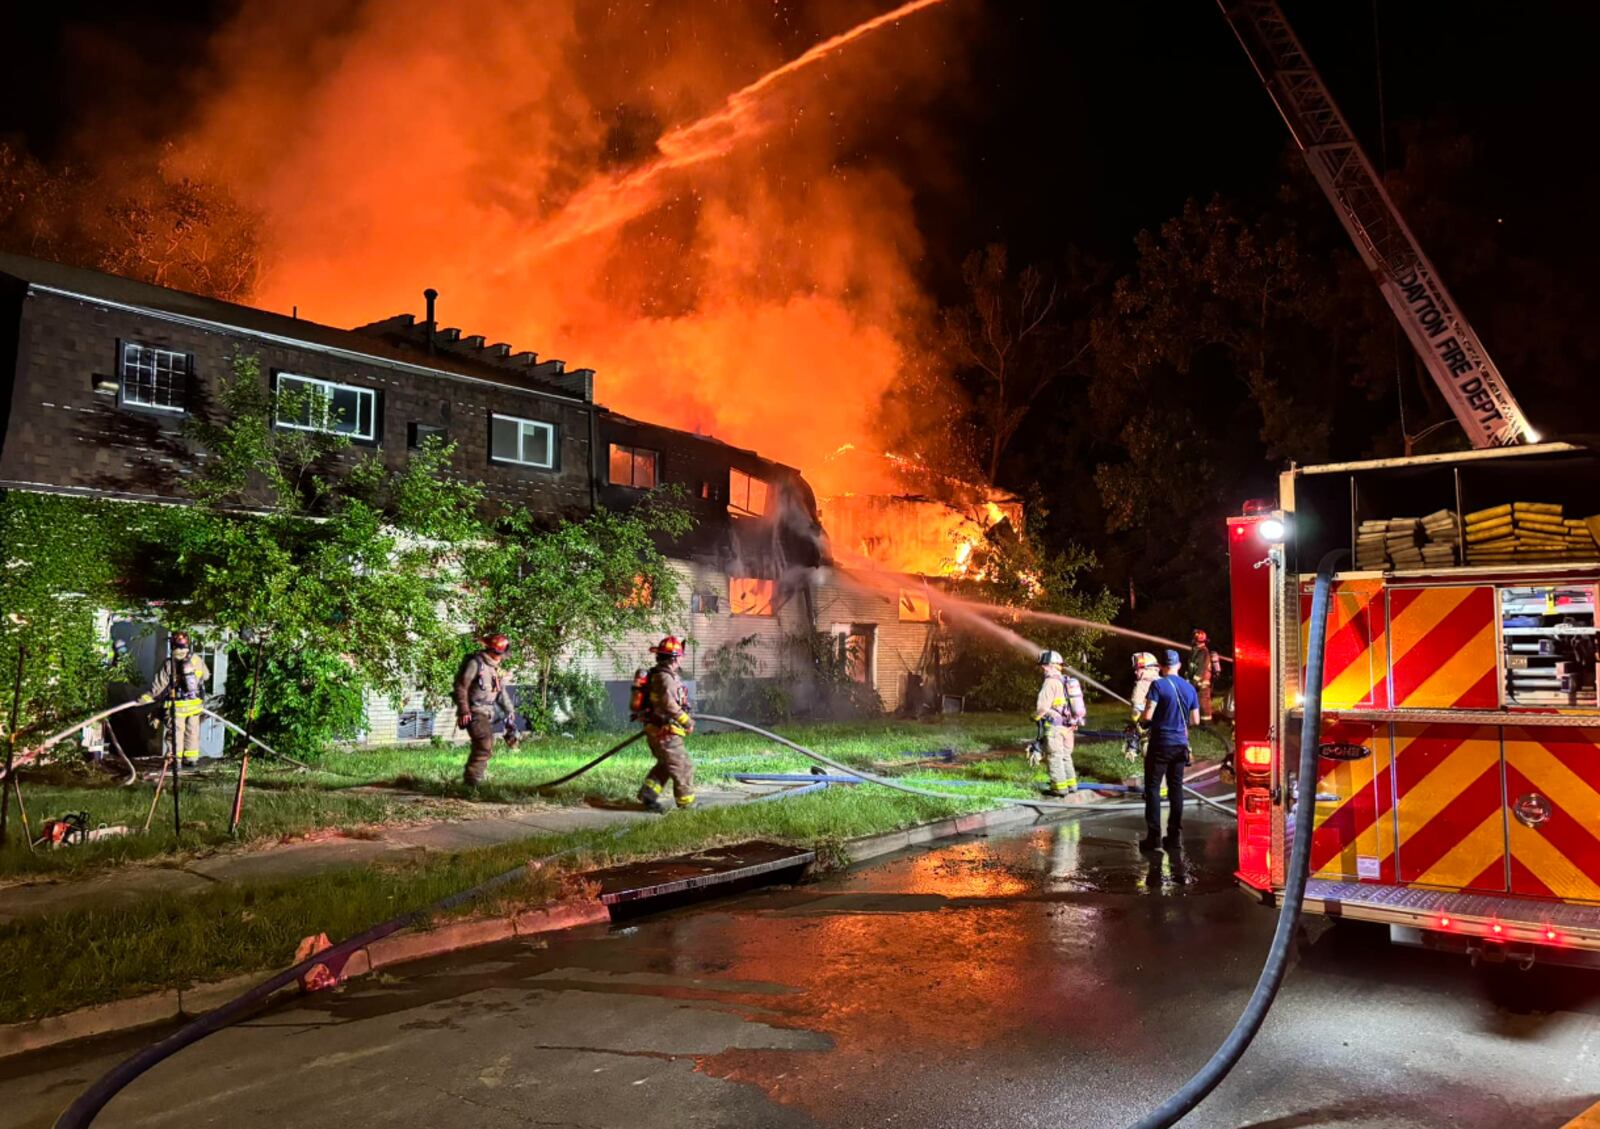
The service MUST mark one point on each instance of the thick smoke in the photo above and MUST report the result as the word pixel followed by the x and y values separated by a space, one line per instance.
pixel 768 295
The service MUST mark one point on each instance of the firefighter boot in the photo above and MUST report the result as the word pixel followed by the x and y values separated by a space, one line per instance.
pixel 686 802
pixel 650 797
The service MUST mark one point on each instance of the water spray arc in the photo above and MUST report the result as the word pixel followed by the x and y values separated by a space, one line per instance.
pixel 742 117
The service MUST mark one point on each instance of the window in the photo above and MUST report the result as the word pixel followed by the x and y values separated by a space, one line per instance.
pixel 419 433
pixel 633 466
pixel 705 603
pixel 155 378
pixel 747 496
pixel 641 594
pixel 413 725
pixel 308 404
pixel 525 442
pixel 748 596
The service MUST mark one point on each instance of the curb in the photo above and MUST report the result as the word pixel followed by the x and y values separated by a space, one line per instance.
pixel 169 1005
pixel 399 948
pixel 979 823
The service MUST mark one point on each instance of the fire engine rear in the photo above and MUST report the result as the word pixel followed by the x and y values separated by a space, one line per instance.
pixel 1458 793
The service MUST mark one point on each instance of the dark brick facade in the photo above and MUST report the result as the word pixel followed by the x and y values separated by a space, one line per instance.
pixel 64 425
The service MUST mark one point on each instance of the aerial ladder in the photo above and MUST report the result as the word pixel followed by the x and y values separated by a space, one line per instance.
pixel 1457 360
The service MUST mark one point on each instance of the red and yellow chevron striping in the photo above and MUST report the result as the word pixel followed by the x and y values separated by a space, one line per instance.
pixel 1553 781
pixel 1356 662
pixel 1444 649
pixel 1449 814
pixel 1354 835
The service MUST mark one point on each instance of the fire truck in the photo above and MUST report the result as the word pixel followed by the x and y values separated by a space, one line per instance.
pixel 1457 797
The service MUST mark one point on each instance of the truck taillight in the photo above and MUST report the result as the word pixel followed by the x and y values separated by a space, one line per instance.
pixel 1257 757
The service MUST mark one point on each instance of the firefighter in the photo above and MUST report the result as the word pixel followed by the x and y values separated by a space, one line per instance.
pixel 182 682
pixel 1058 711
pixel 667 722
pixel 480 687
pixel 1204 664
pixel 1135 734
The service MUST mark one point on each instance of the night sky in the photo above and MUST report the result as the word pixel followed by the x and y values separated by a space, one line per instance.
pixel 1081 124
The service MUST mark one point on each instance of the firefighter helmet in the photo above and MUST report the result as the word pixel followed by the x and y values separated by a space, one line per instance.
pixel 496 644
pixel 1199 635
pixel 1049 658
pixel 180 640
pixel 670 647
pixel 1143 660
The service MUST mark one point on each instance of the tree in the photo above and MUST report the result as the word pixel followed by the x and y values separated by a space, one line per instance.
pixel 1012 569
pixel 351 579
pixel 1014 337
pixel 579 586
pixel 136 220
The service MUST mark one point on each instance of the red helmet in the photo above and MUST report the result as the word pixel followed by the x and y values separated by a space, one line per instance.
pixel 180 639
pixel 496 644
pixel 671 647
pixel 1199 635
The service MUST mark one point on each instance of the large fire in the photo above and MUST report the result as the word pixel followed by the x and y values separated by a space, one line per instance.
pixel 932 532
pixel 678 195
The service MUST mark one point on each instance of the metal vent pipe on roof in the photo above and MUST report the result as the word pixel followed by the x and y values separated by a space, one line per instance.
pixel 430 296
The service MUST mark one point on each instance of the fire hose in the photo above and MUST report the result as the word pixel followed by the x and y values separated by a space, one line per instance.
pixel 1194 1091
pixel 30 755
pixel 88 1105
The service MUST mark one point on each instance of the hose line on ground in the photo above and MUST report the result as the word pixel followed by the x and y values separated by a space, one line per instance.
pixel 607 755
pixel 88 1105
pixel 1194 1091
pixel 887 782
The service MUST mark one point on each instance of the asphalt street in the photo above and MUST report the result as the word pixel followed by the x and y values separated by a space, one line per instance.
pixel 1052 977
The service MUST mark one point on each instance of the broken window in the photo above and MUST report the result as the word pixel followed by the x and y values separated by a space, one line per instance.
pixel 633 466
pixel 747 495
pixel 705 603
pixel 750 596
pixel 155 378
pixel 525 442
pixel 307 404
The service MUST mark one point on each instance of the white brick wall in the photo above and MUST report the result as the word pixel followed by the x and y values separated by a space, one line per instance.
pixel 838 599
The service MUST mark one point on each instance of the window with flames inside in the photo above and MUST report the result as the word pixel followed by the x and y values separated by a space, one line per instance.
pixel 633 466
pixel 747 495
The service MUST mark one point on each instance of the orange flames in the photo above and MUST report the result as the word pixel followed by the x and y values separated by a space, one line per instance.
pixel 576 178
pixel 928 534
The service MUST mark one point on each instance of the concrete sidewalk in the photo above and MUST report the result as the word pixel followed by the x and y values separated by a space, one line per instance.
pixel 268 862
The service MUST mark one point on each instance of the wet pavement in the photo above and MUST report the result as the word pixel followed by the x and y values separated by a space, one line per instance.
pixel 1050 977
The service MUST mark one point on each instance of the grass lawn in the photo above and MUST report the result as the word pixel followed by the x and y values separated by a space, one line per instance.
pixel 282 803
pixel 58 962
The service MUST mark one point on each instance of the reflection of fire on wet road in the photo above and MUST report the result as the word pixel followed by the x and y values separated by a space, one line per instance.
pixel 942 961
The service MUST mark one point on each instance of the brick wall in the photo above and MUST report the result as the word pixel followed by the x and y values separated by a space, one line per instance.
pixel 67 429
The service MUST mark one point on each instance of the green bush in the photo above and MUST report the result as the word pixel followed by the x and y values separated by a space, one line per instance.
pixel 577 705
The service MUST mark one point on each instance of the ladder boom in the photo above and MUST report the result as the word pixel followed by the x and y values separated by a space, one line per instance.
pixel 1457 360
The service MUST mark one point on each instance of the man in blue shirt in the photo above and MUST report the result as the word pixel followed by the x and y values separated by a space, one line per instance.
pixel 1169 709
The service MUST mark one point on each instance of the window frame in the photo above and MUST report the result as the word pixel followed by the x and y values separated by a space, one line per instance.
pixel 742 508
pixel 550 429
pixel 123 400
pixel 762 590
pixel 633 465
pixel 328 387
